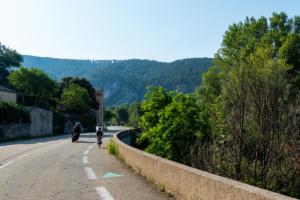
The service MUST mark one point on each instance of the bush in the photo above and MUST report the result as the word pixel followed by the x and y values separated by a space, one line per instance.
pixel 112 148
pixel 13 113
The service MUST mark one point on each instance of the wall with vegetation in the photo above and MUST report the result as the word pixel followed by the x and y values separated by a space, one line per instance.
pixel 186 182
pixel 11 131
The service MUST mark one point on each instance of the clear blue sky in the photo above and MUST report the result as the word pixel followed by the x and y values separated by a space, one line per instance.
pixel 163 30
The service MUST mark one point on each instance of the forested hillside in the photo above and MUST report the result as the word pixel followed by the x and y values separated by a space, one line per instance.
pixel 125 81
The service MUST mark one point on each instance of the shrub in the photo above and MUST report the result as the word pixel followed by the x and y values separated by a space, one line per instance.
pixel 13 113
pixel 112 147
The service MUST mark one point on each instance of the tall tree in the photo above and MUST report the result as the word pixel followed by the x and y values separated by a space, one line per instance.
pixel 76 99
pixel 82 82
pixel 280 33
pixel 8 58
pixel 33 82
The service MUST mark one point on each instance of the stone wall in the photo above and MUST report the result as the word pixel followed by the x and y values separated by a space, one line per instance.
pixel 41 124
pixel 14 130
pixel 185 182
pixel 8 96
pixel 41 121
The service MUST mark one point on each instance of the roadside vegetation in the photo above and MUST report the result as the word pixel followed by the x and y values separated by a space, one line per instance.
pixel 71 99
pixel 242 122
pixel 112 147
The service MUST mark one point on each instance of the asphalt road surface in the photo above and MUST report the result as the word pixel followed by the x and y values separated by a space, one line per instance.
pixel 56 168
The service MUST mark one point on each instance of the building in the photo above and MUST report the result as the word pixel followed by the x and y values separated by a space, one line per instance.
pixel 7 95
pixel 100 112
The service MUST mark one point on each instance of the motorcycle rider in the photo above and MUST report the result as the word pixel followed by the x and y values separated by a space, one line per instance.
pixel 76 131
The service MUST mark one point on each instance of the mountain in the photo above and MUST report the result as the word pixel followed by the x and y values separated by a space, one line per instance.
pixel 125 81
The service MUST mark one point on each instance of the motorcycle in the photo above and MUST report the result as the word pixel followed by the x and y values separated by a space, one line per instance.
pixel 76 132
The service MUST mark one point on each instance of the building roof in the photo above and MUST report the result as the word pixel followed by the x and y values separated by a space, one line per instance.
pixel 6 89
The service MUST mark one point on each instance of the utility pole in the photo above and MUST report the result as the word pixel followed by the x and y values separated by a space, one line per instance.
pixel 100 111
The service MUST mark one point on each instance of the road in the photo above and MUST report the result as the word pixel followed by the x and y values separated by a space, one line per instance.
pixel 56 168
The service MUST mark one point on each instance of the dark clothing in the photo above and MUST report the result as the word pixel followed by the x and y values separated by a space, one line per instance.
pixel 77 129
pixel 76 132
pixel 99 135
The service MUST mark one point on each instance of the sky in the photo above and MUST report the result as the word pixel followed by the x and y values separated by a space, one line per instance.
pixel 163 30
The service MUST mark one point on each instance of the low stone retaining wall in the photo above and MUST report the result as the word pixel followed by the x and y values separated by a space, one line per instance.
pixel 11 131
pixel 186 182
pixel 41 121
pixel 41 125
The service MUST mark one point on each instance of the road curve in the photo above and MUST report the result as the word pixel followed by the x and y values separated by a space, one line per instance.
pixel 56 168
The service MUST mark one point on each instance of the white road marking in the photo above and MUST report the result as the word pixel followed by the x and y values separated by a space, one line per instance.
pixel 90 173
pixel 24 155
pixel 85 160
pixel 6 164
pixel 104 193
pixel 91 146
pixel 86 152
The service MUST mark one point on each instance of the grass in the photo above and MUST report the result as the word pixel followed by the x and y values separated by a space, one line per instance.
pixel 112 147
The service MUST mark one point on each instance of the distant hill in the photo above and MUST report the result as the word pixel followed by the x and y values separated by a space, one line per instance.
pixel 125 81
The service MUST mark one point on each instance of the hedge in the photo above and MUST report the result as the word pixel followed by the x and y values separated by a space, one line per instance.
pixel 13 113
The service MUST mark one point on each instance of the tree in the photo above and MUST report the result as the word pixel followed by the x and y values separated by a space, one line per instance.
pixel 82 82
pixel 108 115
pixel 76 99
pixel 171 123
pixel 8 58
pixel 33 82
pixel 135 113
pixel 280 33
pixel 250 98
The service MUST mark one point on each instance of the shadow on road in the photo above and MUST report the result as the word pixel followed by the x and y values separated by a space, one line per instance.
pixel 34 140
pixel 107 133
pixel 80 141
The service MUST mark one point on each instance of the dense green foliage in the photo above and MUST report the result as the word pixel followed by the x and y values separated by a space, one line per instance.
pixel 13 113
pixel 112 147
pixel 8 58
pixel 128 114
pixel 125 81
pixel 75 99
pixel 243 121
pixel 170 123
pixel 82 82
pixel 33 82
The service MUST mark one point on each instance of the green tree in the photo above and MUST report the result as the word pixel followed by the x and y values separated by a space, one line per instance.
pixel 82 82
pixel 280 33
pixel 135 113
pixel 122 115
pixel 8 58
pixel 108 115
pixel 171 123
pixel 33 82
pixel 250 98
pixel 76 99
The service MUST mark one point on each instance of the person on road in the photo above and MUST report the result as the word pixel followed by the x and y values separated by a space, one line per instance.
pixel 99 134
pixel 76 131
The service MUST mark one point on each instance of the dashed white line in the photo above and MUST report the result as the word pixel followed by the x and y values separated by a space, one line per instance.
pixel 104 193
pixel 85 160
pixel 91 146
pixel 24 155
pixel 86 152
pixel 6 164
pixel 90 173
